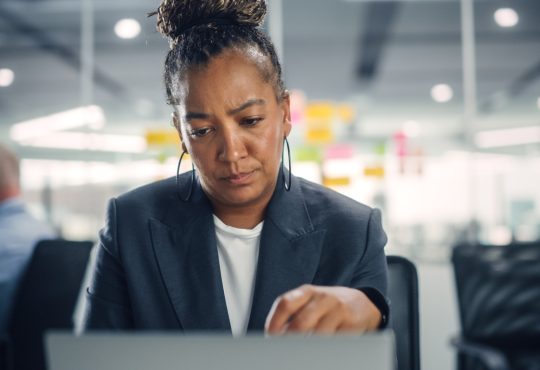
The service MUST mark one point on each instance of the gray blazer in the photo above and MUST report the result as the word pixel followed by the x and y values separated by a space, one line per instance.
pixel 157 264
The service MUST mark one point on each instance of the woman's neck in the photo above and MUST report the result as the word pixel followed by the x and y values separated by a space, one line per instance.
pixel 241 217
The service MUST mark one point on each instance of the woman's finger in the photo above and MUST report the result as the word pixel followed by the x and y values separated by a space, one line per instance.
pixel 328 324
pixel 285 306
pixel 306 318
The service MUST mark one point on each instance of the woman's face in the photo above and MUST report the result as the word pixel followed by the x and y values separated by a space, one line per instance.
pixel 233 126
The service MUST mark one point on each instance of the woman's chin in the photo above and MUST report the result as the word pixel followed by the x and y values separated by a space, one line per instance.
pixel 239 196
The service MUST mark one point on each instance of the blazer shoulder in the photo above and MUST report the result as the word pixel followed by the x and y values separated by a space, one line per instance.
pixel 150 196
pixel 324 204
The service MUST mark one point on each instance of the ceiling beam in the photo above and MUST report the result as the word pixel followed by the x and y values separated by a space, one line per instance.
pixel 71 6
pixel 69 56
pixel 377 26
pixel 519 85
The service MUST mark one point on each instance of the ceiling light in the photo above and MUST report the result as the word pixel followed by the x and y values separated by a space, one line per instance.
pixel 91 116
pixel 127 28
pixel 507 137
pixel 506 17
pixel 411 128
pixel 6 77
pixel 442 93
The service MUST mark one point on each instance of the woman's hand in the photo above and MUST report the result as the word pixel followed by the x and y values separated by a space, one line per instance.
pixel 322 310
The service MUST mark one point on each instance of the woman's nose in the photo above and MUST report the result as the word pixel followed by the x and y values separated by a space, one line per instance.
pixel 233 147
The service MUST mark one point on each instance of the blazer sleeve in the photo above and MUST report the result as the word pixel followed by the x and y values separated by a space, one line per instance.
pixel 371 272
pixel 107 298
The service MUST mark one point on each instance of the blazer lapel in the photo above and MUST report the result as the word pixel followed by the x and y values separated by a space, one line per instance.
pixel 289 251
pixel 185 248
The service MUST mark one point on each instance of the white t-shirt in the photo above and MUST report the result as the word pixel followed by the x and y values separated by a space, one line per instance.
pixel 238 251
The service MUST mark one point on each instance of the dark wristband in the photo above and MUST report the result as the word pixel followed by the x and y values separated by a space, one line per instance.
pixel 378 299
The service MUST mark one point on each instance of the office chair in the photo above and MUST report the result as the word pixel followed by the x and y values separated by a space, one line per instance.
pixel 4 360
pixel 45 299
pixel 403 295
pixel 498 289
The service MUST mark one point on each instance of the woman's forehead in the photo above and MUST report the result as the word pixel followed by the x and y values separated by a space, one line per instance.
pixel 230 77
pixel 230 62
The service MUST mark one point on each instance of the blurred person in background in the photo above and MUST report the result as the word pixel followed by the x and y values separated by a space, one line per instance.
pixel 19 233
pixel 239 244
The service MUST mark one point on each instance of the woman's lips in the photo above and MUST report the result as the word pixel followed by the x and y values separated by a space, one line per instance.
pixel 240 179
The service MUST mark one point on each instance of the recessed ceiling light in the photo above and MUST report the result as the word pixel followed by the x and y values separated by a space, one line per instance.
pixel 127 28
pixel 6 77
pixel 442 93
pixel 506 17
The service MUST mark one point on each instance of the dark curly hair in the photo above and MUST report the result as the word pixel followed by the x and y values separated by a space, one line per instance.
pixel 199 30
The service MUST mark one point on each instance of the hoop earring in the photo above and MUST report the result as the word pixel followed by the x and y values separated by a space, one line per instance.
pixel 178 179
pixel 286 143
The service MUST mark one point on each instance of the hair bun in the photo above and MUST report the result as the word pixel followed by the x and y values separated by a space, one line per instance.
pixel 176 16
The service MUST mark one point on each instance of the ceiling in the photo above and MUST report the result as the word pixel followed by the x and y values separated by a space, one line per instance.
pixel 381 56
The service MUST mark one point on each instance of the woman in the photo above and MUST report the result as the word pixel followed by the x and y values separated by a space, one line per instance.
pixel 239 244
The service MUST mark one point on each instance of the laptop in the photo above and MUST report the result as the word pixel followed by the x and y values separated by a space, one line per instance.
pixel 159 351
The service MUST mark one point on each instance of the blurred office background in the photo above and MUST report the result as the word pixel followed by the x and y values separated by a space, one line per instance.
pixel 427 109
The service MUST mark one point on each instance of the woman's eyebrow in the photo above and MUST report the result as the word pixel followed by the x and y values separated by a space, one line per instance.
pixel 247 104
pixel 200 115
pixel 196 115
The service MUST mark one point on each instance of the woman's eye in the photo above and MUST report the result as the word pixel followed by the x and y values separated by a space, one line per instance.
pixel 200 132
pixel 251 121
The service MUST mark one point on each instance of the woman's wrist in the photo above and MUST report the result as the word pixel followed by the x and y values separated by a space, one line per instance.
pixel 379 301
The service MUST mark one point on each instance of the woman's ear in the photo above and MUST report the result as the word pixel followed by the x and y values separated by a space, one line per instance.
pixel 286 107
pixel 176 124
pixel 175 120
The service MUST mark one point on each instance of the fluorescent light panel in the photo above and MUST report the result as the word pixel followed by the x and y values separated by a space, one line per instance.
pixel 411 128
pixel 96 142
pixel 91 116
pixel 508 137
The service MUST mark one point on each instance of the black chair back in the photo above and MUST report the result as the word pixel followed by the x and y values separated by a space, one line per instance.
pixel 403 295
pixel 45 299
pixel 498 289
